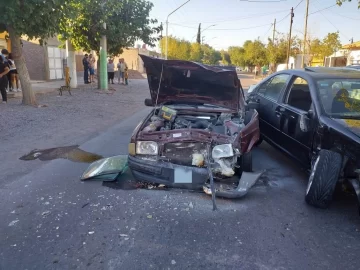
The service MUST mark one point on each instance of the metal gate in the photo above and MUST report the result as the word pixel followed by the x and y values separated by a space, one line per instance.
pixel 55 56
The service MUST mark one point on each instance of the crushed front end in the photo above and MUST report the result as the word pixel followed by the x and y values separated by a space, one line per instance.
pixel 182 147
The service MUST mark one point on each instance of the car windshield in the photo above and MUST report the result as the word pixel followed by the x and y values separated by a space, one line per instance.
pixel 340 97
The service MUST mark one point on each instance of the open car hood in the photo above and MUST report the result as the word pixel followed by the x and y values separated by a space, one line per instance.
pixel 190 82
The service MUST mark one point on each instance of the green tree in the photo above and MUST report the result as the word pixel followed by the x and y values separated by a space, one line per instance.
pixel 210 55
pixel 177 48
pixel 196 52
pixel 255 53
pixel 225 57
pixel 339 2
pixel 276 52
pixel 237 56
pixel 326 47
pixel 35 19
pixel 126 22
pixel 198 37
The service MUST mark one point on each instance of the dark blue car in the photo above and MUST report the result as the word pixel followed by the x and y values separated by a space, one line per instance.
pixel 313 115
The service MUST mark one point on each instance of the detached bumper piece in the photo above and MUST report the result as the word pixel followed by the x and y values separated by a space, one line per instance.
pixel 169 174
pixel 246 182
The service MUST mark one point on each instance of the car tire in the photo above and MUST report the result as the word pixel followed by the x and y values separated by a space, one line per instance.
pixel 246 162
pixel 323 179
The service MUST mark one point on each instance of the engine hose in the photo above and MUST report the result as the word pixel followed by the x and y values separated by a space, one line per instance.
pixel 201 124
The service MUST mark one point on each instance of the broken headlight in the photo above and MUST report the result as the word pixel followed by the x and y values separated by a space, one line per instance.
pixel 146 148
pixel 222 151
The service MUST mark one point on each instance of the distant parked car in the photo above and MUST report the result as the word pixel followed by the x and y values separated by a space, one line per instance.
pixel 313 114
pixel 354 66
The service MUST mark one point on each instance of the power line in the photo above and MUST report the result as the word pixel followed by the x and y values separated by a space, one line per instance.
pixel 334 25
pixel 298 4
pixel 284 18
pixel 241 18
pixel 222 29
pixel 322 9
pixel 340 15
pixel 267 31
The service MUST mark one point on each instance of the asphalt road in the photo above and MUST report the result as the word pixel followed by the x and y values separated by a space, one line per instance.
pixel 51 220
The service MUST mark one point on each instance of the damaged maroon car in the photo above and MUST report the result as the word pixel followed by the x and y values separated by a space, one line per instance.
pixel 198 130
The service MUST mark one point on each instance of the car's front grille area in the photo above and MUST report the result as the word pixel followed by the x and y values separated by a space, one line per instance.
pixel 182 152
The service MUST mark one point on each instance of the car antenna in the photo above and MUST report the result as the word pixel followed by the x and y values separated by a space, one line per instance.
pixel 157 94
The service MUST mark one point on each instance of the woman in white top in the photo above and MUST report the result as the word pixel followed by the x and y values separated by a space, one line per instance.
pixel 14 77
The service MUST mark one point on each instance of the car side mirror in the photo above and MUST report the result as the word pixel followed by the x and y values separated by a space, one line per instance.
pixel 310 114
pixel 253 105
pixel 148 102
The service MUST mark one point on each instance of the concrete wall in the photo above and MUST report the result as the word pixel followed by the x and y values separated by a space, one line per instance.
pixel 353 57
pixel 35 60
pixel 131 57
pixel 133 60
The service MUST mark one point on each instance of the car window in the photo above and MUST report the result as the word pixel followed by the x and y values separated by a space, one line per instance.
pixel 340 97
pixel 273 87
pixel 299 95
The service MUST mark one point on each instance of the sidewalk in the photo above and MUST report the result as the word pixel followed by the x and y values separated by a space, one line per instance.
pixel 44 87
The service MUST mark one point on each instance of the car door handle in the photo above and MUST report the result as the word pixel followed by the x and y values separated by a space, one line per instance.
pixel 292 117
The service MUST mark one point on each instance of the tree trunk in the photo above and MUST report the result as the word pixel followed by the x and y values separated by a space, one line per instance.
pixel 98 71
pixel 16 50
pixel 71 62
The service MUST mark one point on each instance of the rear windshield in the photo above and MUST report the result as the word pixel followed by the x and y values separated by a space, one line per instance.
pixel 340 97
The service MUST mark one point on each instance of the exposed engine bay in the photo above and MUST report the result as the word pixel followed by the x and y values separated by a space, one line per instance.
pixel 169 119
pixel 223 156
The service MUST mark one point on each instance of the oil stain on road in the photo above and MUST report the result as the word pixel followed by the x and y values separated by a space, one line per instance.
pixel 72 153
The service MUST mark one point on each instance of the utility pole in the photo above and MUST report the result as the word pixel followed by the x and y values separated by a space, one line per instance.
pixel 161 39
pixel 167 26
pixel 305 33
pixel 273 39
pixel 289 43
pixel 103 64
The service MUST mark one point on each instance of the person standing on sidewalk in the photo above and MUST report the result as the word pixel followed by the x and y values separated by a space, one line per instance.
pixel 85 62
pixel 111 70
pixel 92 67
pixel 4 70
pixel 121 70
pixel 126 76
pixel 14 78
pixel 4 56
pixel 122 66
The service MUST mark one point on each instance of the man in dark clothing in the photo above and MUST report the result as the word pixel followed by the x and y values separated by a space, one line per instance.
pixel 4 70
pixel 86 68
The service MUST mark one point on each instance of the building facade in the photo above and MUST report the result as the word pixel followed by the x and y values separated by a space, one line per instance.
pixel 353 57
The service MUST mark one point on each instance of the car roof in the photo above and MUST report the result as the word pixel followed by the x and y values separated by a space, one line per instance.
pixel 325 72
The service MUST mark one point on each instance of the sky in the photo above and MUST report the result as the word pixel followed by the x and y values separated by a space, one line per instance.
pixel 231 22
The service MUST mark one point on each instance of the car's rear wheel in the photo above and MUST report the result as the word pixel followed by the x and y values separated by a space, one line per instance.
pixel 246 162
pixel 323 178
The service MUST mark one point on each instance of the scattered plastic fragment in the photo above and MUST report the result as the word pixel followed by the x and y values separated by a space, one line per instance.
pixel 12 223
